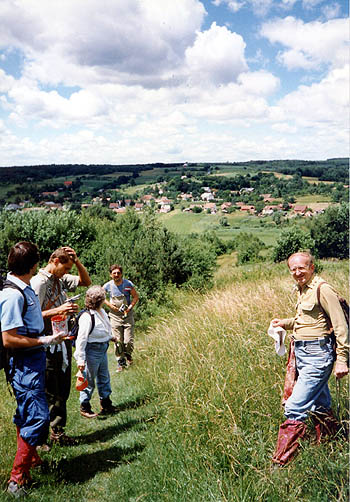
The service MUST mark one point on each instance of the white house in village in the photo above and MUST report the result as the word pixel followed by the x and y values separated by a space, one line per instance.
pixel 207 196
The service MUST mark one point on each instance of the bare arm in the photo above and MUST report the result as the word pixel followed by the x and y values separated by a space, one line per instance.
pixel 84 278
pixel 12 340
pixel 64 309
pixel 135 299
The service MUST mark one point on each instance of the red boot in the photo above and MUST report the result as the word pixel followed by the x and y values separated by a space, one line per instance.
pixel 288 441
pixel 25 454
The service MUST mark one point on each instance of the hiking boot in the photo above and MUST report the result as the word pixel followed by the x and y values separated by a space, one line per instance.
pixel 86 411
pixel 62 439
pixel 129 360
pixel 121 365
pixel 16 490
pixel 107 407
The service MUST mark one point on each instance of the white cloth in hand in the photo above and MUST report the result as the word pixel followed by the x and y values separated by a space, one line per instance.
pixel 278 334
pixel 51 339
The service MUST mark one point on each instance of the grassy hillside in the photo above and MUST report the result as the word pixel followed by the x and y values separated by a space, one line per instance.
pixel 199 411
pixel 186 223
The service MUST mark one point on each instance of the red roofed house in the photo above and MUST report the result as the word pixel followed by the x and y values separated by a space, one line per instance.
pixel 299 209
pixel 248 209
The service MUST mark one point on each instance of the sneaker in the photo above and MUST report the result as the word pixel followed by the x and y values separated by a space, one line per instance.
pixel 16 490
pixel 86 411
pixel 62 439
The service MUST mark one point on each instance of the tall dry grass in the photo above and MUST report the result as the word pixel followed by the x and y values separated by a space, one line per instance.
pixel 220 382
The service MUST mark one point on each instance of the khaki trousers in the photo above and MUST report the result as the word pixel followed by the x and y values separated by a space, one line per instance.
pixel 123 331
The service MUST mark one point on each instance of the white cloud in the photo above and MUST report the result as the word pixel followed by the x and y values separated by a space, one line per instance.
pixel 146 84
pixel 321 104
pixel 259 82
pixel 115 40
pixel 217 56
pixel 6 82
pixel 309 44
pixel 310 4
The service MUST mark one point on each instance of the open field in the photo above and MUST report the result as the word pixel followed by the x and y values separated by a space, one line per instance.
pixel 186 223
pixel 312 199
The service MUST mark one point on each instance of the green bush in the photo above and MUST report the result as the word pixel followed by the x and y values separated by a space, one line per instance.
pixel 292 240
pixel 48 230
pixel 330 232
pixel 248 248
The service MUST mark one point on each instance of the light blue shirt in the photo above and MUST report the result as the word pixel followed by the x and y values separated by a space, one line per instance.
pixel 123 289
pixel 11 307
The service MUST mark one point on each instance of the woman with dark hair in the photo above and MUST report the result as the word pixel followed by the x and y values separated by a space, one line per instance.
pixel 91 353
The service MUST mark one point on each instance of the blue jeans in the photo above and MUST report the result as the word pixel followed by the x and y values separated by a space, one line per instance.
pixel 96 369
pixel 314 361
pixel 28 383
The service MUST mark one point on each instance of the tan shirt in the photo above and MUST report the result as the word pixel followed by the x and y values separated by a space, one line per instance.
pixel 310 322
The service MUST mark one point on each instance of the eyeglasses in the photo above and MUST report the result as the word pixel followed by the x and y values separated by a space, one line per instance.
pixel 300 269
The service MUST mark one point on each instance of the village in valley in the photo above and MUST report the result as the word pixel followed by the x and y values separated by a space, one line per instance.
pixel 254 188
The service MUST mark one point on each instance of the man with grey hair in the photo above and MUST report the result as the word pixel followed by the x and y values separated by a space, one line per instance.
pixel 318 309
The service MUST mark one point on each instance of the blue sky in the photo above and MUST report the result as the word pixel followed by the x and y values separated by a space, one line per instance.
pixel 139 81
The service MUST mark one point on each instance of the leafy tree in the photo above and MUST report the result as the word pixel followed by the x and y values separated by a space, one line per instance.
pixel 49 230
pixel 292 240
pixel 330 232
pixel 197 209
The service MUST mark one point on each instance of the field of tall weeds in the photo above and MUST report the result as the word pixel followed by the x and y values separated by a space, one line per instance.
pixel 221 383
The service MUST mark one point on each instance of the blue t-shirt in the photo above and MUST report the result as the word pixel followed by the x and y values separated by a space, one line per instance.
pixel 11 307
pixel 123 289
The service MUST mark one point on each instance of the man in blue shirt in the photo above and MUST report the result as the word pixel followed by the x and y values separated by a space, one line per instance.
pixel 21 325
pixel 121 299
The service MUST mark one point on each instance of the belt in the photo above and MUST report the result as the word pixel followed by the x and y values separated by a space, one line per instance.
pixel 320 341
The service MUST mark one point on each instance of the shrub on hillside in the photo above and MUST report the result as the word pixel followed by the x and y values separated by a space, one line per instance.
pixel 292 240
pixel 330 232
pixel 248 248
pixel 49 230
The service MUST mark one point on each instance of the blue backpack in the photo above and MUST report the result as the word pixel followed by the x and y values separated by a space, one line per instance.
pixel 4 352
pixel 75 327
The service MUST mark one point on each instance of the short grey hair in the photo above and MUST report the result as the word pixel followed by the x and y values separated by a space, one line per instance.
pixel 305 254
pixel 94 297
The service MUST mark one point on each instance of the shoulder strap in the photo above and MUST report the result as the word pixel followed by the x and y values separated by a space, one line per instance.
pixel 329 324
pixel 92 316
pixel 52 299
pixel 92 322
pixel 12 285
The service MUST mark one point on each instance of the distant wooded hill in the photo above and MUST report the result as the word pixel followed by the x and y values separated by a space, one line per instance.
pixel 335 170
